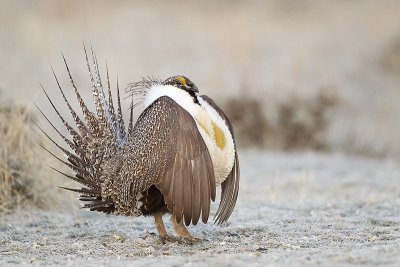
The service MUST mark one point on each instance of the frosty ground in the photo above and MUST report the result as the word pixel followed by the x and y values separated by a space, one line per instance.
pixel 293 209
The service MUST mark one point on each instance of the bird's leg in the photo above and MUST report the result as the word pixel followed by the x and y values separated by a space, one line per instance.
pixel 181 231
pixel 161 227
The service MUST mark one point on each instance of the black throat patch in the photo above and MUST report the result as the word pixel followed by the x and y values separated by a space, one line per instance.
pixel 193 95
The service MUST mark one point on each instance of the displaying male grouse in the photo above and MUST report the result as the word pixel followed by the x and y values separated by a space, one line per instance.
pixel 170 161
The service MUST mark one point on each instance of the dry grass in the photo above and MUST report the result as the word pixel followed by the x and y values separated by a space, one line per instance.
pixel 299 124
pixel 24 179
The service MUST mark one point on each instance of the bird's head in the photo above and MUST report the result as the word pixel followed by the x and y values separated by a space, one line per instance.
pixel 183 83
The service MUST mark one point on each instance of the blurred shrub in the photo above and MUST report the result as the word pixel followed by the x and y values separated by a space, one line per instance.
pixel 247 116
pixel 391 57
pixel 24 180
pixel 299 124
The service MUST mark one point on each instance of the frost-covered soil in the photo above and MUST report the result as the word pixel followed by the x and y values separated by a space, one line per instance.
pixel 293 209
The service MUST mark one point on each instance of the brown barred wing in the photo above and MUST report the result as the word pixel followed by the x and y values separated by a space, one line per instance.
pixel 167 150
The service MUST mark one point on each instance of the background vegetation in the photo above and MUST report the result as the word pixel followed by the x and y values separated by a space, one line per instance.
pixel 291 75
pixel 25 180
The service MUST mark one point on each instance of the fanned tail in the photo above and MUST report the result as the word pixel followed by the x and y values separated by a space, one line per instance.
pixel 96 141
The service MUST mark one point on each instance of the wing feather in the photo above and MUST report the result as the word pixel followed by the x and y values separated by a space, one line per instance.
pixel 187 197
pixel 205 201
pixel 196 197
pixel 177 192
pixel 187 182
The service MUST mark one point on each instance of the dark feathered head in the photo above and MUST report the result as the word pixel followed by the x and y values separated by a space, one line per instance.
pixel 182 82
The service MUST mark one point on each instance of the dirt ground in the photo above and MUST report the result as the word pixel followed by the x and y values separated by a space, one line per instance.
pixel 293 209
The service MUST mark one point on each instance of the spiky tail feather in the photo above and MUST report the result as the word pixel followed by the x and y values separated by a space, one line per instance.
pixel 96 139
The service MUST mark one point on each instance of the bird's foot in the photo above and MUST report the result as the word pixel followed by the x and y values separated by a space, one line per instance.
pixel 167 238
pixel 189 240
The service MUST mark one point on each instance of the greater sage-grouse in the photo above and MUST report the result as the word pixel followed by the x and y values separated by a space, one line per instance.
pixel 170 161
